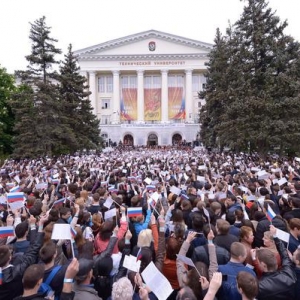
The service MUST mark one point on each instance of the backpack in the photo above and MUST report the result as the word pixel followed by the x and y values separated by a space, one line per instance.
pixel 45 287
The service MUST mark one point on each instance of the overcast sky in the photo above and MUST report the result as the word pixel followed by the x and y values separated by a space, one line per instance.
pixel 85 23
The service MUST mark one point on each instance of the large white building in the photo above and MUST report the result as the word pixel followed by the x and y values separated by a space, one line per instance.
pixel 144 87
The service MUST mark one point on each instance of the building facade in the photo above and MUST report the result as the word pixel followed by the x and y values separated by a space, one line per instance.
pixel 144 87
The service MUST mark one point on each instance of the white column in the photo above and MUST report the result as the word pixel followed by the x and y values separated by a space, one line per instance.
pixel 116 97
pixel 188 97
pixel 164 96
pixel 93 97
pixel 140 95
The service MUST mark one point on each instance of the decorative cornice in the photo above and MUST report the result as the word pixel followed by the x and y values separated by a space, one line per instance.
pixel 142 57
pixel 142 36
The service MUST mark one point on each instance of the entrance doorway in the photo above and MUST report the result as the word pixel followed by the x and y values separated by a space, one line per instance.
pixel 128 140
pixel 152 140
pixel 176 139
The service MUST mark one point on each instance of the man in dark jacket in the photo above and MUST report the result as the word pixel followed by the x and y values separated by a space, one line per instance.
pixel 264 223
pixel 276 284
pixel 12 275
pixel 32 279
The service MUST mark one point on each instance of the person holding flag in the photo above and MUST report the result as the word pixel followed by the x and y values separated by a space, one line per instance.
pixel 269 218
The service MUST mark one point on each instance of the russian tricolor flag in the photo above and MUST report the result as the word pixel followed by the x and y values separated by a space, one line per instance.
pixel 73 232
pixel 7 231
pixel 15 189
pixel 55 181
pixel 59 202
pixel 270 213
pixel 15 197
pixel 184 196
pixel 134 211
pixel 151 188
pixel 10 185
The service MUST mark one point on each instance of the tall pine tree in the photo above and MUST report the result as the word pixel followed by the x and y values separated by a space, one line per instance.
pixel 76 106
pixel 262 104
pixel 44 101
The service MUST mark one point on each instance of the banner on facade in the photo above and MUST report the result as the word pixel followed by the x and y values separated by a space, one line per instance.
pixel 176 103
pixel 128 107
pixel 152 104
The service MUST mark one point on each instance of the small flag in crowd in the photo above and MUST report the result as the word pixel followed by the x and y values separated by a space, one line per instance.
pixel 10 185
pixel 59 202
pixel 270 213
pixel 139 255
pixel 6 231
pixel 55 181
pixel 113 190
pixel 15 197
pixel 151 188
pixel 134 211
pixel 73 232
pixel 15 189
pixel 184 196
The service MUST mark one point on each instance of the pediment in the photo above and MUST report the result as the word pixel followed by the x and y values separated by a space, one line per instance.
pixel 139 45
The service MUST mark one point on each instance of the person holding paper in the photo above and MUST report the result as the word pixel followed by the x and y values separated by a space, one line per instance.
pixel 276 284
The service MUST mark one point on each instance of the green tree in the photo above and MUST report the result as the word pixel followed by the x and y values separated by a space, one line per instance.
pixel 7 87
pixel 262 104
pixel 77 109
pixel 50 132
pixel 215 92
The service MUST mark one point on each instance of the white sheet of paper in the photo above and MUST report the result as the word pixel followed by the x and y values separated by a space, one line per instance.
pixel 148 180
pixel 284 236
pixel 155 196
pixel 131 263
pixel 16 205
pixel 201 178
pixel 157 282
pixel 17 179
pixel 3 200
pixel 61 232
pixel 282 181
pixel 108 202
pixel 110 213
pixel 175 190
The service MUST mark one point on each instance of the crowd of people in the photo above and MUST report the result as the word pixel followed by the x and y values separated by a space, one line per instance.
pixel 167 223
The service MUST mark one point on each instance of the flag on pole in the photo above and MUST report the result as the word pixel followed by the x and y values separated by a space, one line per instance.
pixel 15 197
pixel 59 202
pixel 270 213
pixel 15 189
pixel 7 231
pixel 134 211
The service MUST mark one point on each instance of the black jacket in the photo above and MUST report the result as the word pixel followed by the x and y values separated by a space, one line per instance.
pixel 264 225
pixel 279 285
pixel 32 297
pixel 12 275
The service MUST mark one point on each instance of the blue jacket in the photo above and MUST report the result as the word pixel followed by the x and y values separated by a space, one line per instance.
pixel 228 289
pixel 140 226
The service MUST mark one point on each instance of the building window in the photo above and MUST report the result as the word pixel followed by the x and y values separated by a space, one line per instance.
pixel 197 83
pixel 129 81
pixel 105 104
pixel 105 84
pixel 105 119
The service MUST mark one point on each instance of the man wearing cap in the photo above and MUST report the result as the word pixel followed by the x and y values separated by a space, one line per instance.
pixel 83 288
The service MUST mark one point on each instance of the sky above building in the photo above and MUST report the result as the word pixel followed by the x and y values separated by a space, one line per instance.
pixel 85 23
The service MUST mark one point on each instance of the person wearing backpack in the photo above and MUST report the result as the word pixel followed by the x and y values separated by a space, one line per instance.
pixel 54 275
